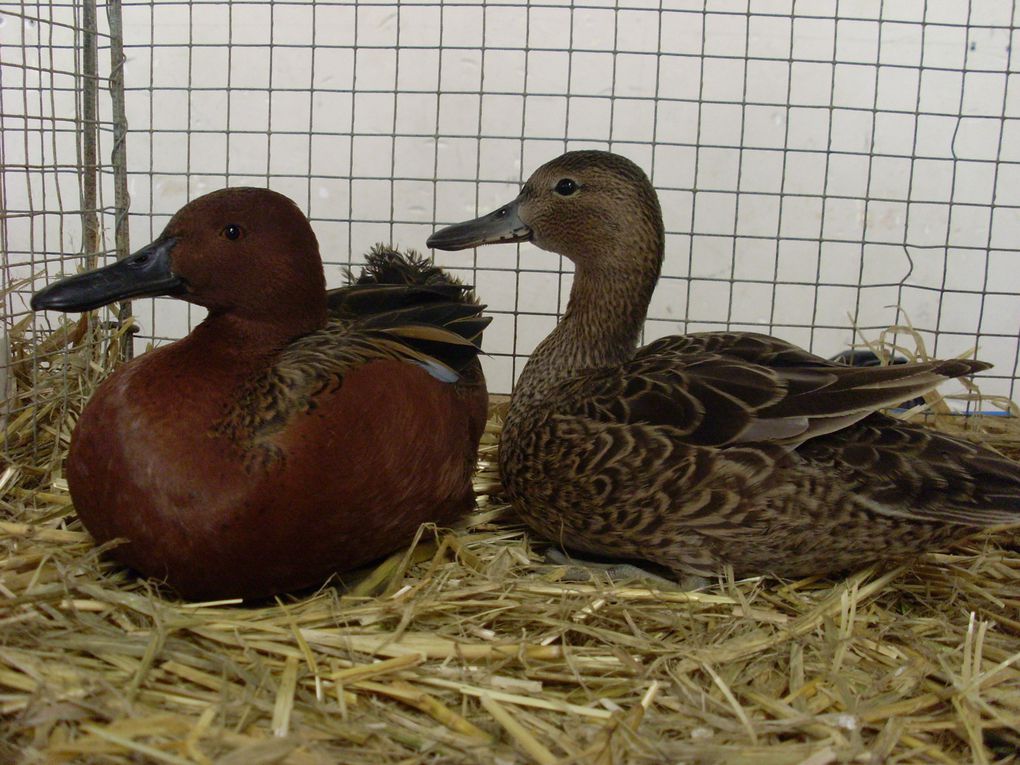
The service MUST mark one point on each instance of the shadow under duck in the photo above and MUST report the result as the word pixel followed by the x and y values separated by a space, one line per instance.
pixel 293 433
pixel 711 448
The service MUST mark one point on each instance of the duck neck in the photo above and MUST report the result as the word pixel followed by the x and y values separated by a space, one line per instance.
pixel 602 324
pixel 228 334
pixel 203 372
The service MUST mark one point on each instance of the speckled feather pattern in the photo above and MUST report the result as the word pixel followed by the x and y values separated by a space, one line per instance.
pixel 717 448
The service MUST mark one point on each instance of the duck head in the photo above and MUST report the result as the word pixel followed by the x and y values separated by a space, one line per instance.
pixel 246 253
pixel 591 206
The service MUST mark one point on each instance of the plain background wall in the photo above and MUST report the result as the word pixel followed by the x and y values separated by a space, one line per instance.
pixel 818 162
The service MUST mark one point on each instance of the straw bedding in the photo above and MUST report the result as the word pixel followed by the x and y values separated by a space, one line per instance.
pixel 467 648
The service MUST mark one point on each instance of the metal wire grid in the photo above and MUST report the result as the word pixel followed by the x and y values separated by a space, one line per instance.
pixel 42 111
pixel 56 183
pixel 817 163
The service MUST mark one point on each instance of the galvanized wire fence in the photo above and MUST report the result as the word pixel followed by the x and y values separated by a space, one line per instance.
pixel 819 164
pixel 62 188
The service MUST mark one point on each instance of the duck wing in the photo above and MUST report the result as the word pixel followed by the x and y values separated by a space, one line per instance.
pixel 442 338
pixel 901 470
pixel 357 301
pixel 722 398
pixel 402 303
pixel 751 347
pixel 419 316
pixel 391 281
pixel 757 425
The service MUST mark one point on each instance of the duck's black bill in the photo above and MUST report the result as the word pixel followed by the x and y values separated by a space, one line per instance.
pixel 502 225
pixel 146 273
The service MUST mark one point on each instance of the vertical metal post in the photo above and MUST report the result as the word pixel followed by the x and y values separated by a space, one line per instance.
pixel 89 130
pixel 121 199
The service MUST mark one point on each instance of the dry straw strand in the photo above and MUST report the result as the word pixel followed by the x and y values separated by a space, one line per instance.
pixel 466 637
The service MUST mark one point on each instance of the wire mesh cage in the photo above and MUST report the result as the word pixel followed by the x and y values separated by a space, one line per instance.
pixel 820 166
pixel 826 169
pixel 62 192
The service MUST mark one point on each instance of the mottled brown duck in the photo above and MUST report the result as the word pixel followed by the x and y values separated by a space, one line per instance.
pixel 294 433
pixel 716 448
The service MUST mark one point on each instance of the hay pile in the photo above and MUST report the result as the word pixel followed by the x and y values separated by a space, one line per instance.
pixel 466 648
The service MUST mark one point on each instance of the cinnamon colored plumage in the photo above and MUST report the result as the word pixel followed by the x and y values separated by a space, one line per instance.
pixel 293 433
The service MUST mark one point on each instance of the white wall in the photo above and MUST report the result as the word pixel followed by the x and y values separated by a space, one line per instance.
pixel 815 161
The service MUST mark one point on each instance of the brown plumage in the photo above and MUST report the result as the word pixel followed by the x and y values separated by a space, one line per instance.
pixel 712 448
pixel 293 433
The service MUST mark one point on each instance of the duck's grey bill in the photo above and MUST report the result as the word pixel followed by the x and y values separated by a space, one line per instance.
pixel 146 273
pixel 502 225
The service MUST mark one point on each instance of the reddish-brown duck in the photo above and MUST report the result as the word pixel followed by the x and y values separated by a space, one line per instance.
pixel 290 435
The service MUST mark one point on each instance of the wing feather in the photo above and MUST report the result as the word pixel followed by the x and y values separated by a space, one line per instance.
pixel 722 389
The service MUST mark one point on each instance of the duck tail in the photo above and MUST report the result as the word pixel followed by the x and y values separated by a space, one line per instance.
pixel 462 320
pixel 959 367
pixel 403 297
pixel 391 280
pixel 993 497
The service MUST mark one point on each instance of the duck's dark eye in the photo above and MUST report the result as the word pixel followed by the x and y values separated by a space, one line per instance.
pixel 566 187
pixel 232 231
